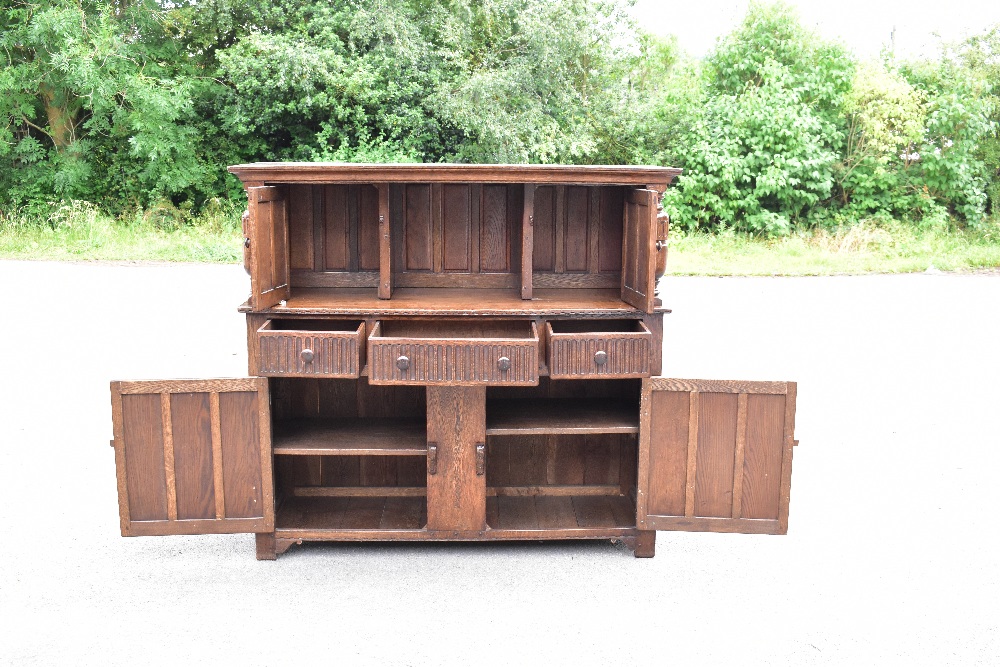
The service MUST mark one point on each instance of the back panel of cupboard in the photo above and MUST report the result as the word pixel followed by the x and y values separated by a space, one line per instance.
pixel 461 234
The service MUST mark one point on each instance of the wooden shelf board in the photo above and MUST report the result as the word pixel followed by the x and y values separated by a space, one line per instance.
pixel 454 301
pixel 559 512
pixel 346 437
pixel 506 516
pixel 352 513
pixel 563 415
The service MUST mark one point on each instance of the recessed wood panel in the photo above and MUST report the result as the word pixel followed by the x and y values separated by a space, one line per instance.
pixel 192 436
pixel 527 463
pixel 668 435
pixel 240 454
pixel 367 228
pixel 569 466
pixel 418 228
pixel 351 471
pixel 147 484
pixel 336 221
pixel 762 456
pixel 378 471
pixel 576 240
pixel 610 245
pixel 716 454
pixel 494 234
pixel 544 228
pixel 300 226
pixel 456 211
pixel 279 229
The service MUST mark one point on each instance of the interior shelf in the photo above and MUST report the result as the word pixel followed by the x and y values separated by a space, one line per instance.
pixel 559 512
pixel 410 513
pixel 350 437
pixel 454 301
pixel 560 415
pixel 352 513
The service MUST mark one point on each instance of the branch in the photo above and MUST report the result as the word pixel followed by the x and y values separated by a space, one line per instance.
pixel 40 129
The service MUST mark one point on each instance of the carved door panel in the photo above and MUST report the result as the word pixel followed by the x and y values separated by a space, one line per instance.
pixel 715 455
pixel 193 456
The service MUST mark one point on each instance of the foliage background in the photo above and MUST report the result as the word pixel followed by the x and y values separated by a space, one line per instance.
pixel 135 106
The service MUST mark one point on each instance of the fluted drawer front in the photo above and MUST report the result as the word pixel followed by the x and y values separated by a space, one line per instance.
pixel 453 360
pixel 574 353
pixel 287 351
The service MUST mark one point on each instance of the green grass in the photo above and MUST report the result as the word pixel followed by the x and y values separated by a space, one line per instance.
pixel 81 232
pixel 864 247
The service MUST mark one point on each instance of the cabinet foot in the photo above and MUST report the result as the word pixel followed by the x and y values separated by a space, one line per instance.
pixel 645 544
pixel 266 546
pixel 269 547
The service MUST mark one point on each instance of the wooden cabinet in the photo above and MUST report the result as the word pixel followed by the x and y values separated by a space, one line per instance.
pixel 453 352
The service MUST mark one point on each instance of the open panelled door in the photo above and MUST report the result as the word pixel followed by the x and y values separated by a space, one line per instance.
pixel 639 249
pixel 715 455
pixel 193 456
pixel 267 238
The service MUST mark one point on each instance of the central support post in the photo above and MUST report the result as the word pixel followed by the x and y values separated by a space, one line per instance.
pixel 456 489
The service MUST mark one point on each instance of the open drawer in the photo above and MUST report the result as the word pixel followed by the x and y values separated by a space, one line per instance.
pixel 598 348
pixel 307 348
pixel 453 352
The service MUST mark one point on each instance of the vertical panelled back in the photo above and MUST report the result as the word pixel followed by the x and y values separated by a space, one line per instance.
pixel 458 228
pixel 577 236
pixel 496 229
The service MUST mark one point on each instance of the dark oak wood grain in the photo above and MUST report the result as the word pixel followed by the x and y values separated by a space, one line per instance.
pixel 456 493
pixel 214 477
pixel 737 448
pixel 453 352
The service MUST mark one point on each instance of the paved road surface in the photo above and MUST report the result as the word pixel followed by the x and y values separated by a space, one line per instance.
pixel 891 556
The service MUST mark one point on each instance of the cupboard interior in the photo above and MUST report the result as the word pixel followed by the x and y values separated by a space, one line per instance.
pixel 562 454
pixel 352 456
pixel 465 235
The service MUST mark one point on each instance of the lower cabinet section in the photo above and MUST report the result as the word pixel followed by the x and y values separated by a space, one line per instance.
pixel 553 461
pixel 297 459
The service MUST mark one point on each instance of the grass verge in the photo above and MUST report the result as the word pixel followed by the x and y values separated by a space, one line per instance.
pixel 864 247
pixel 81 232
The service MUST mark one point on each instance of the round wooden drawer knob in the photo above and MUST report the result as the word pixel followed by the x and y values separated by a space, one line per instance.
pixel 503 363
pixel 306 356
pixel 403 362
pixel 601 358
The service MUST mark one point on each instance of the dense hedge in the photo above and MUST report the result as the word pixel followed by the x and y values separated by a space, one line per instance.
pixel 139 104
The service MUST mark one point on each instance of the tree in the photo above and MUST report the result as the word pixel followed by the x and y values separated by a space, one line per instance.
pixel 83 81
pixel 763 146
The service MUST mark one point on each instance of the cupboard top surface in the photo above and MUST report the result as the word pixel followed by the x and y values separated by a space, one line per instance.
pixel 333 172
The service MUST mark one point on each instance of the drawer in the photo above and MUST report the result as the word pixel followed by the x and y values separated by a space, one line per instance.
pixel 453 352
pixel 598 348
pixel 307 348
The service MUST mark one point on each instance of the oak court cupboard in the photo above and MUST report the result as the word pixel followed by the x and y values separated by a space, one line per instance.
pixel 453 352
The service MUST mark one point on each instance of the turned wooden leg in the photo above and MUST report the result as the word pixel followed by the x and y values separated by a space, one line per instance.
pixel 645 544
pixel 266 547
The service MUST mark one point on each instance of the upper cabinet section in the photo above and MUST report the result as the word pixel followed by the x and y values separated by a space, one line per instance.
pixel 511 239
